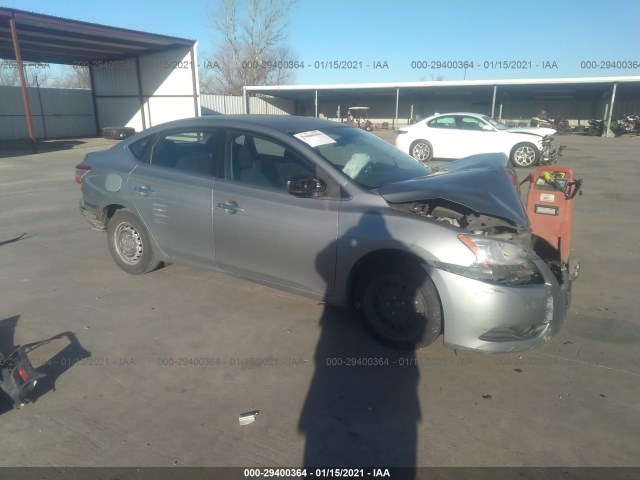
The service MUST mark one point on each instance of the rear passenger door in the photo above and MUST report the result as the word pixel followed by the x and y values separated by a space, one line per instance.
pixel 171 190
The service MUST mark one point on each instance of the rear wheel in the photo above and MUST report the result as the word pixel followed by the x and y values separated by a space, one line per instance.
pixel 400 304
pixel 421 150
pixel 525 154
pixel 129 244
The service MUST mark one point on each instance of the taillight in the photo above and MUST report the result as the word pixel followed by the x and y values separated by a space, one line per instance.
pixel 81 170
pixel 22 373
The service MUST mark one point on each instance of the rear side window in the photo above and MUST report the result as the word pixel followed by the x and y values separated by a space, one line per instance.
pixel 192 151
pixel 139 148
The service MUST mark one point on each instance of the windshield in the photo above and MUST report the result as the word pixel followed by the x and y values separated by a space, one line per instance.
pixel 366 159
pixel 495 123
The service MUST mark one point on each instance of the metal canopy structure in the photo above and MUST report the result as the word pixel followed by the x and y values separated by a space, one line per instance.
pixel 33 37
pixel 494 91
pixel 45 38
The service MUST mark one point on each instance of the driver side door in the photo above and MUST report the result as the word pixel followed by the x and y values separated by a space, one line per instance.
pixel 263 232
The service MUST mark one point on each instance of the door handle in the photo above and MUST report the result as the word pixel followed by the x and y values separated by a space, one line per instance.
pixel 230 207
pixel 143 190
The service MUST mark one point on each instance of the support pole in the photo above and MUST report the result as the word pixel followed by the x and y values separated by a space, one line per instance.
pixel 23 82
pixel 140 97
pixel 395 122
pixel 245 100
pixel 93 100
pixel 316 103
pixel 613 99
pixel 194 82
pixel 493 102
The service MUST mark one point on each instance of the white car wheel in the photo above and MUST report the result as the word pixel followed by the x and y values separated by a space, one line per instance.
pixel 421 150
pixel 525 155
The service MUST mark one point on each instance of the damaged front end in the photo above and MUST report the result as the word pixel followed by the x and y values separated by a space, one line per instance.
pixel 549 153
pixel 514 295
pixel 504 250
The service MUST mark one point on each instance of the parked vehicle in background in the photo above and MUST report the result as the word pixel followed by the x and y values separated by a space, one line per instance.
pixel 628 124
pixel 359 117
pixel 560 125
pixel 595 127
pixel 334 213
pixel 458 135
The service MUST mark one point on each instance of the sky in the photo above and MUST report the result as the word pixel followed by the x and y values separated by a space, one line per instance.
pixel 409 40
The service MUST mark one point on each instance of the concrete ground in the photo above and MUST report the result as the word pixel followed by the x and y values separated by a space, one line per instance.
pixel 155 370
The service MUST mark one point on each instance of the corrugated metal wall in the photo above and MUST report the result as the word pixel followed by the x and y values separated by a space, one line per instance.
pixel 56 112
pixel 231 104
pixel 164 91
pixel 220 104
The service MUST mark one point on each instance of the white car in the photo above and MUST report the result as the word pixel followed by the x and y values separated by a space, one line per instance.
pixel 460 134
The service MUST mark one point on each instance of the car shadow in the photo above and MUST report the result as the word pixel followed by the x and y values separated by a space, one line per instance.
pixel 362 407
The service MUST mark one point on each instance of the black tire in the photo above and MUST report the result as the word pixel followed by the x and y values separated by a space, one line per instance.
pixel 421 150
pixel 400 304
pixel 525 154
pixel 129 244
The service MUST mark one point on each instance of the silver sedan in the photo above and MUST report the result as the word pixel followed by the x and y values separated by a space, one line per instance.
pixel 335 213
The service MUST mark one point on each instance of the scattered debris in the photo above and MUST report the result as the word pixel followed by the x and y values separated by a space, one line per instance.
pixel 488 397
pixel 568 343
pixel 248 417
pixel 517 370
pixel 603 395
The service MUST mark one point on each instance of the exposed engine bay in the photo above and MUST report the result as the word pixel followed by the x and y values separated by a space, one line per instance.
pixel 466 219
pixel 495 227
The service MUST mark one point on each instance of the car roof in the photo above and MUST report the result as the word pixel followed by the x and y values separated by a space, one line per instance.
pixel 459 113
pixel 282 123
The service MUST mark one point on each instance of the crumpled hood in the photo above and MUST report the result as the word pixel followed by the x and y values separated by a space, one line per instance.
pixel 479 182
pixel 537 131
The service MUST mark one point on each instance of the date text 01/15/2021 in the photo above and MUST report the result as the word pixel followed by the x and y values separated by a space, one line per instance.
pixel 317 472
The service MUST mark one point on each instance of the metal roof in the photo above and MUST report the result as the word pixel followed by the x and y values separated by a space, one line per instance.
pixel 45 38
pixel 554 86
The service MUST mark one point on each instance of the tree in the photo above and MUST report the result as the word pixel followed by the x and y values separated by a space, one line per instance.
pixel 253 50
pixel 73 77
pixel 9 74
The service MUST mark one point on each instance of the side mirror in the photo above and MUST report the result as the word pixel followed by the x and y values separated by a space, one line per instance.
pixel 487 128
pixel 306 186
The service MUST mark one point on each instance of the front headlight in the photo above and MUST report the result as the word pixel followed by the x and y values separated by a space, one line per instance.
pixel 497 262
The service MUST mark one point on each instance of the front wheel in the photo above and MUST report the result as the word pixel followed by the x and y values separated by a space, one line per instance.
pixel 129 244
pixel 400 304
pixel 421 150
pixel 525 155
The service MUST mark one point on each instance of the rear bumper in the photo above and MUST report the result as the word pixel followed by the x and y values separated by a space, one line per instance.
pixel 90 214
pixel 499 319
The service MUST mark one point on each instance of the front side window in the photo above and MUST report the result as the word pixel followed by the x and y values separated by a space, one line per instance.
pixel 443 122
pixel 190 151
pixel 264 163
pixel 471 123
